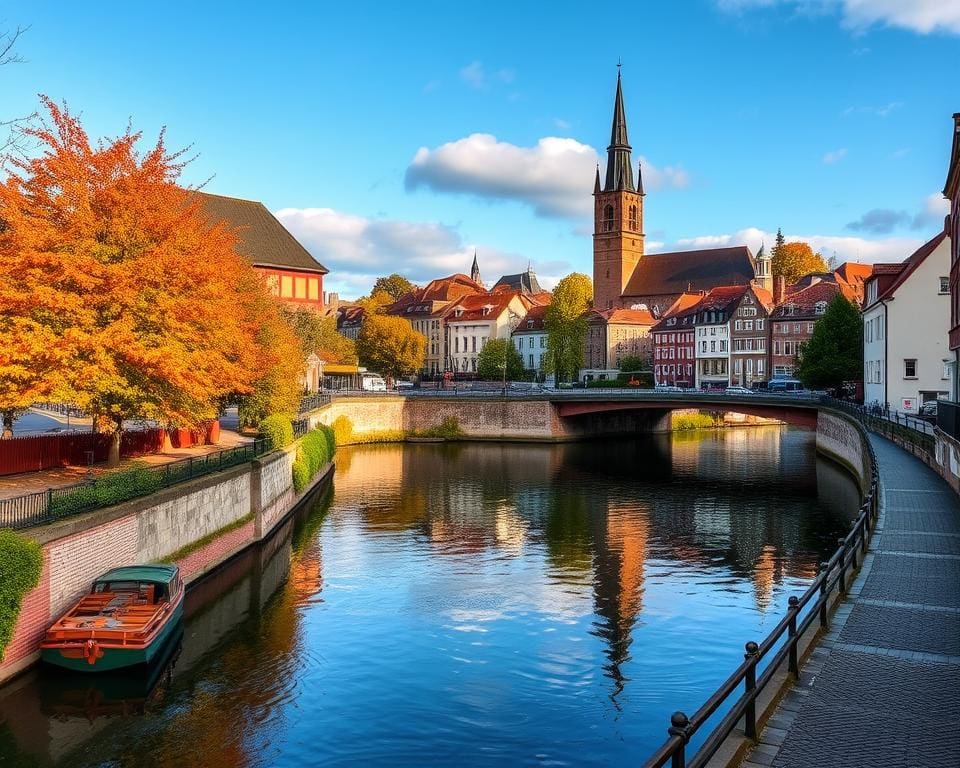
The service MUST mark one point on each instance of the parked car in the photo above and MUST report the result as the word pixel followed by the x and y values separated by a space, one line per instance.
pixel 667 388
pixel 738 391
pixel 928 411
pixel 784 385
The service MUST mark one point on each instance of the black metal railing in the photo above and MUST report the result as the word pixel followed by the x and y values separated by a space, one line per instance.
pixel 903 427
pixel 57 503
pixel 300 427
pixel 948 418
pixel 781 645
pixel 312 402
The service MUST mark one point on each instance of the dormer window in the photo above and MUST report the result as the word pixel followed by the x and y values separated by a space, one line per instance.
pixel 529 323
pixel 820 307
pixel 458 311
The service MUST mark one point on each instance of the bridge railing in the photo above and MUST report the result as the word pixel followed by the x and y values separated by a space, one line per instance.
pixel 902 427
pixel 762 660
pixel 312 402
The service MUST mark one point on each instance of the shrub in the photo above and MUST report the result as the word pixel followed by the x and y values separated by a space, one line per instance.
pixel 106 491
pixel 278 430
pixel 301 475
pixel 342 430
pixel 316 449
pixel 449 429
pixel 20 563
pixel 684 421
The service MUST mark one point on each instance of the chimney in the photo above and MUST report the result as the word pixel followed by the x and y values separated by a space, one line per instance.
pixel 779 289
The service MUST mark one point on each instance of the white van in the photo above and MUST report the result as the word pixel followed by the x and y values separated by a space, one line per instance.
pixel 372 382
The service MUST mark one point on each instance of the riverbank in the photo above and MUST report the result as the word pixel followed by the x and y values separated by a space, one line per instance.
pixel 201 523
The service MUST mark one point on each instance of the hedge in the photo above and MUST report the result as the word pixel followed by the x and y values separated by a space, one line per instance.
pixel 278 430
pixel 21 561
pixel 106 491
pixel 316 449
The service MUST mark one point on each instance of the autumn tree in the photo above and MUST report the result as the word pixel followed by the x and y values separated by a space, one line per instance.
pixel 499 359
pixel 388 345
pixel 834 353
pixel 395 285
pixel 794 260
pixel 318 335
pixel 376 303
pixel 118 293
pixel 566 325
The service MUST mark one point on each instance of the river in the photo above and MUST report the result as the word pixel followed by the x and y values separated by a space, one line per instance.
pixel 468 604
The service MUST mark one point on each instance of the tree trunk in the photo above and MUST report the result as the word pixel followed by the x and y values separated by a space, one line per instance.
pixel 113 458
pixel 7 425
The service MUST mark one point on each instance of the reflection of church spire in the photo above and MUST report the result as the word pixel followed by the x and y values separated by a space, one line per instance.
pixel 621 549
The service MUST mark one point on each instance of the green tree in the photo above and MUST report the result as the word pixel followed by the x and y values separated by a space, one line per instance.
pixel 496 354
pixel 632 363
pixel 388 345
pixel 395 285
pixel 779 242
pixel 566 325
pixel 794 260
pixel 318 335
pixel 834 353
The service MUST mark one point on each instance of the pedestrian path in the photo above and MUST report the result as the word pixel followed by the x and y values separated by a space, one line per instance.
pixel 883 687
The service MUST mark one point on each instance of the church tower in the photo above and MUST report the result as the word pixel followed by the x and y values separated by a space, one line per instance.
pixel 764 272
pixel 617 217
pixel 475 270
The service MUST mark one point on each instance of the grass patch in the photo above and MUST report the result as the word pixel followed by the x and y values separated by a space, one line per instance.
pixel 200 543
pixel 21 561
pixel 449 429
pixel 687 421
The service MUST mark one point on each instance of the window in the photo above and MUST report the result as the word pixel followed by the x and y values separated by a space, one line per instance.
pixel 945 374
pixel 300 285
pixel 703 346
pixel 633 218
pixel 776 347
pixel 723 346
pixel 531 343
pixel 273 284
pixel 737 366
pixel 944 285
pixel 760 367
pixel 713 346
pixel 531 361
pixel 787 348
pixel 456 343
pixel 474 340
pixel 738 326
pixel 759 325
pixel 543 342
pixel 809 327
pixel 286 287
pixel 750 365
pixel 748 325
pixel 909 369
pixel 820 307
pixel 880 328
pixel 796 327
pixel 314 289
pixel 608 218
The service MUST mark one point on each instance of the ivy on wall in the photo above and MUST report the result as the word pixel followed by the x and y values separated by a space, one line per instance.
pixel 20 563
pixel 316 449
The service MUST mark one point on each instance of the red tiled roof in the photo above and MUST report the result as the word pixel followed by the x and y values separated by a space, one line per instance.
pixel 533 321
pixel 443 290
pixel 804 302
pixel 686 271
pixel 483 306
pixel 630 316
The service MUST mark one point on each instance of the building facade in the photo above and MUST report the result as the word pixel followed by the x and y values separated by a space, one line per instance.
pixel 474 320
pixel 951 191
pixel 749 330
pixel 530 338
pixel 906 322
pixel 674 340
pixel 615 334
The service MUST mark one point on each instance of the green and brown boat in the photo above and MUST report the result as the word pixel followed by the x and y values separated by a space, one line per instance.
pixel 123 621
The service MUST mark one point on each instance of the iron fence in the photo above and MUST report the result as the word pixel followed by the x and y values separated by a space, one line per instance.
pixel 891 424
pixel 57 503
pixel 802 612
pixel 312 402
pixel 948 418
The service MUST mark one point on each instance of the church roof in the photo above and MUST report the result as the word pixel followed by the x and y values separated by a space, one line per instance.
pixel 660 274
pixel 264 241
pixel 524 281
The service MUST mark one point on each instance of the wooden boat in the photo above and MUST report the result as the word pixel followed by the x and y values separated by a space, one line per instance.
pixel 123 621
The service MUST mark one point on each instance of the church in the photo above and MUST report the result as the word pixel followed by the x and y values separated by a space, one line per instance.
pixel 623 275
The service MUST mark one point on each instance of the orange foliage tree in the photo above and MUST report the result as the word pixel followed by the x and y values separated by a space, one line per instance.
pixel 794 260
pixel 117 292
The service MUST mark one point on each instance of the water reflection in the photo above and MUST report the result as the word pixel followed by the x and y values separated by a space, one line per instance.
pixel 471 604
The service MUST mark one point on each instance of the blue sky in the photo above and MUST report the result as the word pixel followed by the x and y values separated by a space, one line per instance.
pixel 401 136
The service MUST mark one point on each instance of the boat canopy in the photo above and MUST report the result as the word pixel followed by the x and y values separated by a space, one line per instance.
pixel 153 574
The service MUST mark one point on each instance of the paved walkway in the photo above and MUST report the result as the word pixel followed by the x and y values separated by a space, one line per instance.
pixel 883 688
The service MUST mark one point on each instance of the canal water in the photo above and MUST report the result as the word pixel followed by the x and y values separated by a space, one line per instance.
pixel 468 604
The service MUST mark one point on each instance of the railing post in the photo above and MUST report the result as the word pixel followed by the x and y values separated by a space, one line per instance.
pixel 750 684
pixel 794 609
pixel 854 547
pixel 679 726
pixel 49 503
pixel 824 573
pixel 865 529
pixel 843 565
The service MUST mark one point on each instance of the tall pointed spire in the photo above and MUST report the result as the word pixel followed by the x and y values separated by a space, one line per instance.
pixel 475 269
pixel 618 153
pixel 596 183
pixel 640 181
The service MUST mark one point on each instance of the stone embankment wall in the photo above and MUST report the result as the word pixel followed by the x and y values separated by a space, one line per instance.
pixel 214 517
pixel 946 459
pixel 838 438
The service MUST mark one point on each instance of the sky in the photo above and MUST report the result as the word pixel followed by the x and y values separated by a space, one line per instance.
pixel 402 137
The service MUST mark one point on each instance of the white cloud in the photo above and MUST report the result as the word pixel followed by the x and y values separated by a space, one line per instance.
pixel 935 207
pixel 921 16
pixel 881 111
pixel 476 75
pixel 844 248
pixel 835 156
pixel 555 177
pixel 357 250
pixel 562 124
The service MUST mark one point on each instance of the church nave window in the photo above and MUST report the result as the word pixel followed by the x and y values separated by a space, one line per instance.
pixel 608 218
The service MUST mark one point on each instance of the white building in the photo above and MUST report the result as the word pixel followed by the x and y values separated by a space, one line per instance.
pixel 530 338
pixel 712 339
pixel 472 321
pixel 906 318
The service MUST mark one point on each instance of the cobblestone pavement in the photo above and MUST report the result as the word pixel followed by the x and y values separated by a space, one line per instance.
pixel 883 688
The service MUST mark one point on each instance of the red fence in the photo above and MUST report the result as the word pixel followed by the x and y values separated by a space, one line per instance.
pixel 29 454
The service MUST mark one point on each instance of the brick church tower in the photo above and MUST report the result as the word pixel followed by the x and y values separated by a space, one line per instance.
pixel 617 217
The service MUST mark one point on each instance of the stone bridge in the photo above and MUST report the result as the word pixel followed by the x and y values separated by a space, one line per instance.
pixel 550 416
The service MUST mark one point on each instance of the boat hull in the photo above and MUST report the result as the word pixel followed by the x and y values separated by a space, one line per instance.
pixel 110 657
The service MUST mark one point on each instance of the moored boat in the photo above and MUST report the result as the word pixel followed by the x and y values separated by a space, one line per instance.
pixel 123 621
